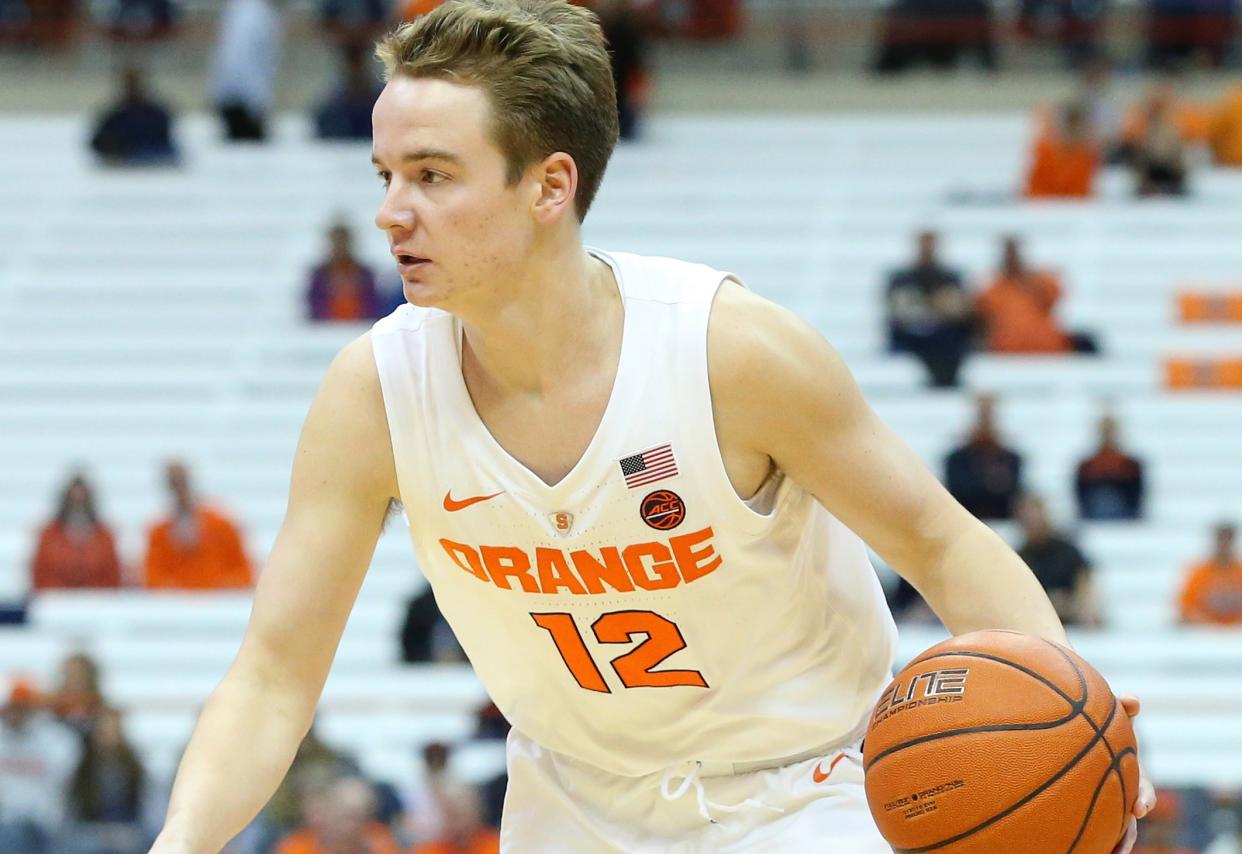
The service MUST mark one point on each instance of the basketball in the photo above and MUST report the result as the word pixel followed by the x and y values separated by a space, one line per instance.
pixel 997 741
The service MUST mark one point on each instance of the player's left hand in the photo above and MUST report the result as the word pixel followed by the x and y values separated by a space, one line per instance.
pixel 1147 793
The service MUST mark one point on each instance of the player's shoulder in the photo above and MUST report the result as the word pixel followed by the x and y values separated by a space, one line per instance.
pixel 750 337
pixel 657 278
pixel 351 385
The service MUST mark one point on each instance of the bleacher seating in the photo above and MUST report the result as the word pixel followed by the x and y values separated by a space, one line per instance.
pixel 151 315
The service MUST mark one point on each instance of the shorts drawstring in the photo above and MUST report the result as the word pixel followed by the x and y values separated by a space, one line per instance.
pixel 691 778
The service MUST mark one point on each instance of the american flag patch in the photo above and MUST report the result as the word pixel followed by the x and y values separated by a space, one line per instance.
pixel 649 466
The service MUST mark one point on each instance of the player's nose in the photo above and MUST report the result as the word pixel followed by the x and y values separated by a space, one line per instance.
pixel 392 214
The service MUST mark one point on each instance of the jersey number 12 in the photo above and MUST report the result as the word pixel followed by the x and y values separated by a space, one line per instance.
pixel 634 669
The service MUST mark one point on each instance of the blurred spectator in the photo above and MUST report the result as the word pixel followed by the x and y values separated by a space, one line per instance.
pixel 935 32
pixel 106 792
pixel 1185 32
pixel 1016 309
pixel 354 24
pixel 408 10
pixel 1212 593
pixel 1075 25
pixel 77 700
pixel 342 287
pixel 464 831
pixel 1158 153
pixel 314 764
pixel 1226 135
pixel 1058 565
pixel 340 819
pixel 37 758
pixel 244 66
pixel 430 799
pixel 196 547
pixel 984 475
pixel 75 549
pixel 1105 114
pixel 627 48
pixel 1065 158
pixel 38 23
pixel 1109 483
pixel 140 20
pixel 426 635
pixel 346 112
pixel 490 723
pixel 137 130
pixel 929 313
pixel 1160 830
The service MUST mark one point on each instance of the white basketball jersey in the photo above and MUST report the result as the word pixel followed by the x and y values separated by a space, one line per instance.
pixel 637 613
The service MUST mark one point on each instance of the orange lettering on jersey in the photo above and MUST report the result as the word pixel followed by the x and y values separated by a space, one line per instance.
pixel 695 564
pixel 554 572
pixel 662 565
pixel 465 557
pixel 611 571
pixel 651 565
pixel 503 561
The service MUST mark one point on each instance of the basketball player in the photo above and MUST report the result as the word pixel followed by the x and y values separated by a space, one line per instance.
pixel 639 492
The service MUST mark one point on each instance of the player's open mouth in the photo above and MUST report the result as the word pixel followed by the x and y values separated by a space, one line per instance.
pixel 408 260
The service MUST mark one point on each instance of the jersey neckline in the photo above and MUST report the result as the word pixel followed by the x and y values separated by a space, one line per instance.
pixel 596 447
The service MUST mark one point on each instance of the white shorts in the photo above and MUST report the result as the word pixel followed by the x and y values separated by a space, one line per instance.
pixel 556 805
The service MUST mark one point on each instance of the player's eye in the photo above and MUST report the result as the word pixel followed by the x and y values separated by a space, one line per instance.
pixel 430 177
pixel 385 178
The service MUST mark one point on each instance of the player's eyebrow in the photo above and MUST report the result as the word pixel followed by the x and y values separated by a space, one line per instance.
pixel 425 154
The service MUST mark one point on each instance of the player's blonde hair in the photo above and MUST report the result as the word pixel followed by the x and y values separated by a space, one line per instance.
pixel 544 66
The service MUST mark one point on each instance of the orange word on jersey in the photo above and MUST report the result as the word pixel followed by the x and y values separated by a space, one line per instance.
pixel 647 566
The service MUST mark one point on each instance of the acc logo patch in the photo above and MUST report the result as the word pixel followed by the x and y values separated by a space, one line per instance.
pixel 663 510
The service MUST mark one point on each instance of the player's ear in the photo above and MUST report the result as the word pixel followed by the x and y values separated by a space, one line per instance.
pixel 557 175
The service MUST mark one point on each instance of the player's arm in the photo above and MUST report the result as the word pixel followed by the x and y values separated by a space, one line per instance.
pixel 780 390
pixel 251 726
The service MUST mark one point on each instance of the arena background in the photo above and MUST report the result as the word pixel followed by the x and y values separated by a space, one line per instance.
pixel 149 314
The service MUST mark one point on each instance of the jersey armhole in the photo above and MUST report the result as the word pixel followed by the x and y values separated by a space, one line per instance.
pixel 701 428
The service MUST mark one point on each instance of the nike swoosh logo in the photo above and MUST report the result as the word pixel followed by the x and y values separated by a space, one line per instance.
pixel 819 775
pixel 453 506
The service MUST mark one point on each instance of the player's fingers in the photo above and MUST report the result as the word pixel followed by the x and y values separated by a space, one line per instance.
pixel 1127 841
pixel 1130 703
pixel 1146 797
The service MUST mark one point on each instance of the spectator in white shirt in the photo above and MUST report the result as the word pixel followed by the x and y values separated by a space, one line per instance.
pixel 245 64
pixel 38 754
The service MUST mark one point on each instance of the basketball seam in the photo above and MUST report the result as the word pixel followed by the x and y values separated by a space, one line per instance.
pixel 1076 708
pixel 1114 767
pixel 1080 708
pixel 987 823
pixel 1115 759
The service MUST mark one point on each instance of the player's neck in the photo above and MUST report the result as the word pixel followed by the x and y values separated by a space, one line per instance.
pixel 564 315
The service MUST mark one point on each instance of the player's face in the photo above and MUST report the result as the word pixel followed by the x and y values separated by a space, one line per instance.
pixel 456 227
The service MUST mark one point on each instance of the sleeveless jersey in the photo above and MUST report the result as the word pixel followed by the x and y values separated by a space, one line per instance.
pixel 637 614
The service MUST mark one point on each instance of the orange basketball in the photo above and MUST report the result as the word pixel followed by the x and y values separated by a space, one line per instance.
pixel 1000 743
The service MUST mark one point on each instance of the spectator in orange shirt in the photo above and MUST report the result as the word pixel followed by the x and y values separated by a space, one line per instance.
pixel 75 549
pixel 196 547
pixel 1212 593
pixel 411 9
pixel 340 819
pixel 1226 139
pixel 1109 483
pixel 1017 309
pixel 1065 159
